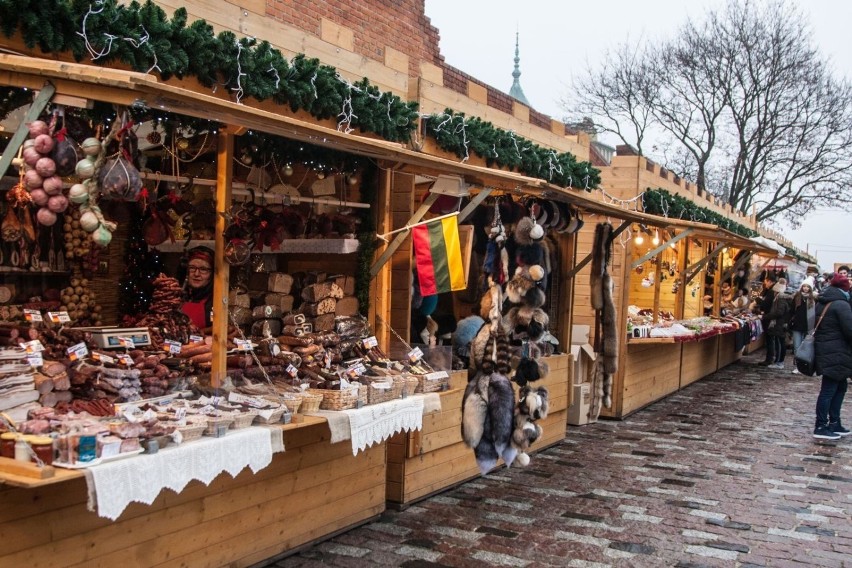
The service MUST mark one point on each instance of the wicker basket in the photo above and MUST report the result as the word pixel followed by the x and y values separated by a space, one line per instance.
pixel 376 393
pixel 426 383
pixel 215 422
pixel 409 384
pixel 242 419
pixel 274 418
pixel 292 400
pixel 341 399
pixel 311 402
pixel 191 431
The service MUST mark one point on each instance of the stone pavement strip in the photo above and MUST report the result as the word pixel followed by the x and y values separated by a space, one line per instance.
pixel 722 473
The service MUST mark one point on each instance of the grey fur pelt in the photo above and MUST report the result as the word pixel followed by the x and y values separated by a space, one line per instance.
pixel 609 328
pixel 600 260
pixel 597 377
pixel 488 419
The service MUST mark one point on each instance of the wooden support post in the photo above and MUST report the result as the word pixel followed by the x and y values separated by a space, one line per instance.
pixel 717 288
pixel 658 274
pixel 221 273
pixel 680 297
pixel 22 132
pixel 380 287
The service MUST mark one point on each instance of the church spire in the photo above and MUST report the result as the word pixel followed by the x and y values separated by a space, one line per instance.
pixel 516 92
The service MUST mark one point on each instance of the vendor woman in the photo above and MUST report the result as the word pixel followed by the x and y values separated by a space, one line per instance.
pixel 198 287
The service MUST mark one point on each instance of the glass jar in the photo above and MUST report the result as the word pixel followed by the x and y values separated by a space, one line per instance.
pixel 7 444
pixel 43 448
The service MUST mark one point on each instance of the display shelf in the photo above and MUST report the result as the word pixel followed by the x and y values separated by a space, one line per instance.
pixel 12 271
pixel 288 246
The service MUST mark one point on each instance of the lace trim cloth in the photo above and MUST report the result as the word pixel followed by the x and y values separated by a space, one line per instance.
pixel 377 422
pixel 114 485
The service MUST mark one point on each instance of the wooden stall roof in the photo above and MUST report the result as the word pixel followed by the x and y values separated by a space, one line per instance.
pixel 721 235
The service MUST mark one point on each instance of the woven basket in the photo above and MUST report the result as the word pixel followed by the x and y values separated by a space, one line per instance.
pixel 432 385
pixel 292 400
pixel 341 399
pixel 274 418
pixel 214 422
pixel 242 419
pixel 311 402
pixel 375 395
pixel 409 384
pixel 191 432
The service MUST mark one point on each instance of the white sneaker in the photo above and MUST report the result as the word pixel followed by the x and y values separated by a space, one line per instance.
pixel 776 366
pixel 795 371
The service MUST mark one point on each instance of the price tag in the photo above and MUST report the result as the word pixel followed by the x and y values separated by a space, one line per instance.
pixel 102 357
pixel 77 352
pixel 326 360
pixel 171 346
pixel 415 355
pixel 180 413
pixel 33 315
pixel 196 339
pixel 33 346
pixel 243 344
pixel 124 359
pixel 58 317
pixel 216 400
pixel 248 400
pixel 292 371
pixel 436 376
pixel 126 342
pixel 35 360
pixel 370 342
pixel 131 413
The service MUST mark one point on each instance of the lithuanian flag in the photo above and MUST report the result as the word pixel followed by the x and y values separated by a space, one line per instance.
pixel 437 255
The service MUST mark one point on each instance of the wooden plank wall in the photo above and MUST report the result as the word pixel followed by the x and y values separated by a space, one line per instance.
pixel 426 462
pixel 311 490
pixel 651 372
pixel 402 206
pixel 698 359
pixel 727 354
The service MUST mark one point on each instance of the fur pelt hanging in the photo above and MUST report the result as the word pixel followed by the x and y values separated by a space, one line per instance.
pixel 528 363
pixel 489 351
pixel 532 406
pixel 487 420
pixel 526 322
pixel 598 378
pixel 601 250
pixel 609 328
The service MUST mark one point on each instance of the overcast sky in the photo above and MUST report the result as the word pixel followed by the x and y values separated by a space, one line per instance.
pixel 559 38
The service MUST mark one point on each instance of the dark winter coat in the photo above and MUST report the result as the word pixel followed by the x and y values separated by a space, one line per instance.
pixel 833 337
pixel 799 319
pixel 779 314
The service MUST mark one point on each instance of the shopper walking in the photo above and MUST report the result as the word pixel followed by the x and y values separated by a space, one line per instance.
pixel 833 348
pixel 776 324
pixel 802 321
pixel 764 306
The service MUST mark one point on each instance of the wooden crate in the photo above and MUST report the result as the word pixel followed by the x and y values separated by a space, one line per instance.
pixel 698 359
pixel 312 490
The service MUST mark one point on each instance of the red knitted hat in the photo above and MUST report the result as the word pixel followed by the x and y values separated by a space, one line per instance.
pixel 840 281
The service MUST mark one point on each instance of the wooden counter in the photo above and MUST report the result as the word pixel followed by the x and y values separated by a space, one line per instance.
pixel 423 463
pixel 698 359
pixel 312 490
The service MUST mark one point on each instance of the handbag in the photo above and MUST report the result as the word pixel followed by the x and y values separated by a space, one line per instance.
pixel 805 356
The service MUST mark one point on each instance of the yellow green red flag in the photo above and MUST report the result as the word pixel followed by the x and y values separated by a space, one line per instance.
pixel 437 254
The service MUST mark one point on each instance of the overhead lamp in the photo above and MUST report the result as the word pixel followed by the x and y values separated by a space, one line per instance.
pixel 639 239
pixel 656 240
pixel 450 185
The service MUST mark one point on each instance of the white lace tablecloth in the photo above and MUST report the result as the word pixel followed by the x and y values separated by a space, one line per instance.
pixel 114 485
pixel 377 422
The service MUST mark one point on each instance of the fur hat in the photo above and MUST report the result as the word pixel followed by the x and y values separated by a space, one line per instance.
pixel 780 286
pixel 526 321
pixel 522 287
pixel 527 231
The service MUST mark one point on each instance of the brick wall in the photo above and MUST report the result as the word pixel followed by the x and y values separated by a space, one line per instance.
pixel 400 24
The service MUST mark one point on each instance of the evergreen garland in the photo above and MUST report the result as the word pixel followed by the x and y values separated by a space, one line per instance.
pixel 454 132
pixel 366 240
pixel 661 202
pixel 176 48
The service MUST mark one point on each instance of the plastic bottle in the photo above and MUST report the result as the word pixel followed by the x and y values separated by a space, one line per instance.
pixel 22 452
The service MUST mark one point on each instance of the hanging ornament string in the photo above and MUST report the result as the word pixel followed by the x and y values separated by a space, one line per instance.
pixel 401 340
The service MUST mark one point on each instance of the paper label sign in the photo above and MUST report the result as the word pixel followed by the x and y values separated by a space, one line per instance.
pixel 33 315
pixel 250 401
pixel 415 355
pixel 195 339
pixel 437 376
pixel 77 352
pixel 33 346
pixel 35 360
pixel 126 342
pixel 243 344
pixel 292 371
pixel 180 413
pixel 103 358
pixel 124 359
pixel 370 342
pixel 326 360
pixel 58 317
pixel 172 346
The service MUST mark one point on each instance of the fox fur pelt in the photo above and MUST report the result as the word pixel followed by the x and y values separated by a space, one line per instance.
pixel 487 419
pixel 601 250
pixel 609 329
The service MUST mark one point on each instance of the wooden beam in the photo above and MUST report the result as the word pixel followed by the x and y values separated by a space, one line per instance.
pixel 661 248
pixel 680 297
pixel 658 274
pixel 22 132
pixel 221 273
pixel 588 258
pixel 739 264
pixel 693 270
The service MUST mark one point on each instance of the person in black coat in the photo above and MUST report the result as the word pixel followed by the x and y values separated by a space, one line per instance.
pixel 764 306
pixel 833 350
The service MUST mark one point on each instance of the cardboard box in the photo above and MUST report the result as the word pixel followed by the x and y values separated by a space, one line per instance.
pixel 582 357
pixel 580 334
pixel 578 412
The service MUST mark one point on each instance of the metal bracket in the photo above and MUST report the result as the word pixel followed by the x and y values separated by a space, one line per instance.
pixel 38 105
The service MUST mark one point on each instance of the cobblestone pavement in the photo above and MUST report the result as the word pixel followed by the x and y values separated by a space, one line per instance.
pixel 723 473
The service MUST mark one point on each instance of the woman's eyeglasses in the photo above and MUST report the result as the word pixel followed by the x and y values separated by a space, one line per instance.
pixel 198 269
